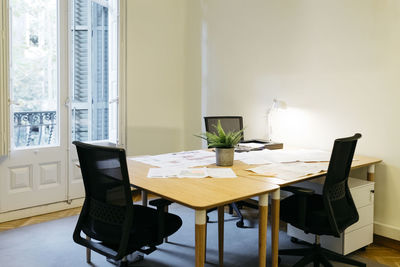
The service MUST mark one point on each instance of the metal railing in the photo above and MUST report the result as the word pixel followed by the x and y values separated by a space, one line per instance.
pixel 34 128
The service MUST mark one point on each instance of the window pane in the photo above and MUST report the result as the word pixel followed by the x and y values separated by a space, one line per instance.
pixel 90 105
pixel 34 77
pixel 100 72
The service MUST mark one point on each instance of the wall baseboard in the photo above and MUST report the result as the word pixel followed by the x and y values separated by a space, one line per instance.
pixel 39 210
pixel 386 230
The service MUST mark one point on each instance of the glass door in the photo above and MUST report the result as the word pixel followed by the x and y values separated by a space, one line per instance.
pixel 35 170
pixel 63 87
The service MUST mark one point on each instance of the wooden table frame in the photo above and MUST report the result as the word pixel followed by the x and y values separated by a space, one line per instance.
pixel 204 194
pixel 138 177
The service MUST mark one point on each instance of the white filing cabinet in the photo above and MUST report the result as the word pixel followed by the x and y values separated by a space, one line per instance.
pixel 357 235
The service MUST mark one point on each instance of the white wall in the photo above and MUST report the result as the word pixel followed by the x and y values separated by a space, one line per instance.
pixel 163 76
pixel 335 63
pixel 192 89
pixel 155 76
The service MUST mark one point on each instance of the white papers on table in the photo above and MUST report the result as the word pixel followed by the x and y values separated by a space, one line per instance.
pixel 163 172
pixel 184 159
pixel 288 171
pixel 285 155
pixel 255 157
pixel 191 173
pixel 221 173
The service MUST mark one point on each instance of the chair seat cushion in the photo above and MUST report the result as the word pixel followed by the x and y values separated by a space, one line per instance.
pixel 144 231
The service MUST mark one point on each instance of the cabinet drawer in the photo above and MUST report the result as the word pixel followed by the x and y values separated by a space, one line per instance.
pixel 357 239
pixel 361 191
pixel 366 215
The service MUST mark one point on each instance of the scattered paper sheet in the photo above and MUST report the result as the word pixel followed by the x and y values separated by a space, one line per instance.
pixel 191 173
pixel 255 157
pixel 285 155
pixel 184 159
pixel 162 172
pixel 221 173
pixel 289 171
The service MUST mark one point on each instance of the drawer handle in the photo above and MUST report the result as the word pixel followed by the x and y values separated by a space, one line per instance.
pixel 372 191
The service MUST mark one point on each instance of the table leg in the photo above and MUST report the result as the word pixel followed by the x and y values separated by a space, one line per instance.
pixel 88 252
pixel 221 235
pixel 371 173
pixel 275 210
pixel 144 198
pixel 262 229
pixel 200 236
pixel 166 211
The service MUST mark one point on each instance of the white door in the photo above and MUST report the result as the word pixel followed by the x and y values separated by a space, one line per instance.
pixel 34 173
pixel 63 87
pixel 94 71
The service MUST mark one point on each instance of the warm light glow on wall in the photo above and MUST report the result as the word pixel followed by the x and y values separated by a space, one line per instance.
pixel 290 125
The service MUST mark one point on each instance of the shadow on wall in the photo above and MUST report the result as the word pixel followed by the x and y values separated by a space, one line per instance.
pixel 153 140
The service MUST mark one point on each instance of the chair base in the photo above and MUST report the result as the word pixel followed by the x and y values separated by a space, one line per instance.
pixel 131 260
pixel 232 207
pixel 318 255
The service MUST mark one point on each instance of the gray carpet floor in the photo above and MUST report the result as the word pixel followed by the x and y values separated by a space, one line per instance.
pixel 50 244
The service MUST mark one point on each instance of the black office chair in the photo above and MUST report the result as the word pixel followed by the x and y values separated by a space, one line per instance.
pixel 327 214
pixel 229 124
pixel 113 225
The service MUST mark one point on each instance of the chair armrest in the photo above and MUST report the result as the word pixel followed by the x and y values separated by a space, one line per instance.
pixel 160 202
pixel 298 190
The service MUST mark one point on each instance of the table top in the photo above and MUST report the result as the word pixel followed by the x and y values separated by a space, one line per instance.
pixel 197 193
pixel 206 193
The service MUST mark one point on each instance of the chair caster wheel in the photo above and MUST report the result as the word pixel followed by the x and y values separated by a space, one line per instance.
pixel 294 240
pixel 240 224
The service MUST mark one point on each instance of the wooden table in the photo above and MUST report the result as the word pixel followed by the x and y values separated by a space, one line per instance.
pixel 204 194
pixel 240 170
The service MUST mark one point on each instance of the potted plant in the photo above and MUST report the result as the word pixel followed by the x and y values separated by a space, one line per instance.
pixel 224 144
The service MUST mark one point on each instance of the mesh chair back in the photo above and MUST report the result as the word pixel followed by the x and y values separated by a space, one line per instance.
pixel 228 123
pixel 342 211
pixel 107 211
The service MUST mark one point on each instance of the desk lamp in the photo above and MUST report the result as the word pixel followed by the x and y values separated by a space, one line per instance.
pixel 275 107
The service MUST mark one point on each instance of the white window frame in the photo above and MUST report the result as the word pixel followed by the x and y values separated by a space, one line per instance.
pixel 4 80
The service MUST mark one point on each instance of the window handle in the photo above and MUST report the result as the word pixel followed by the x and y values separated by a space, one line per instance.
pixel 67 102
pixel 15 103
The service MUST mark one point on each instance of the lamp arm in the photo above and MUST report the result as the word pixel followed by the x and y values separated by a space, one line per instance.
pixel 269 124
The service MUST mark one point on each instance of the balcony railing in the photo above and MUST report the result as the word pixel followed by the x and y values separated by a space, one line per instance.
pixel 34 128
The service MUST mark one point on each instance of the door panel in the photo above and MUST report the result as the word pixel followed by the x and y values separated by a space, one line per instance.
pixel 37 180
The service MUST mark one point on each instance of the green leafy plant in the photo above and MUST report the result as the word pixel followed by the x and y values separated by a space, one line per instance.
pixel 220 139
